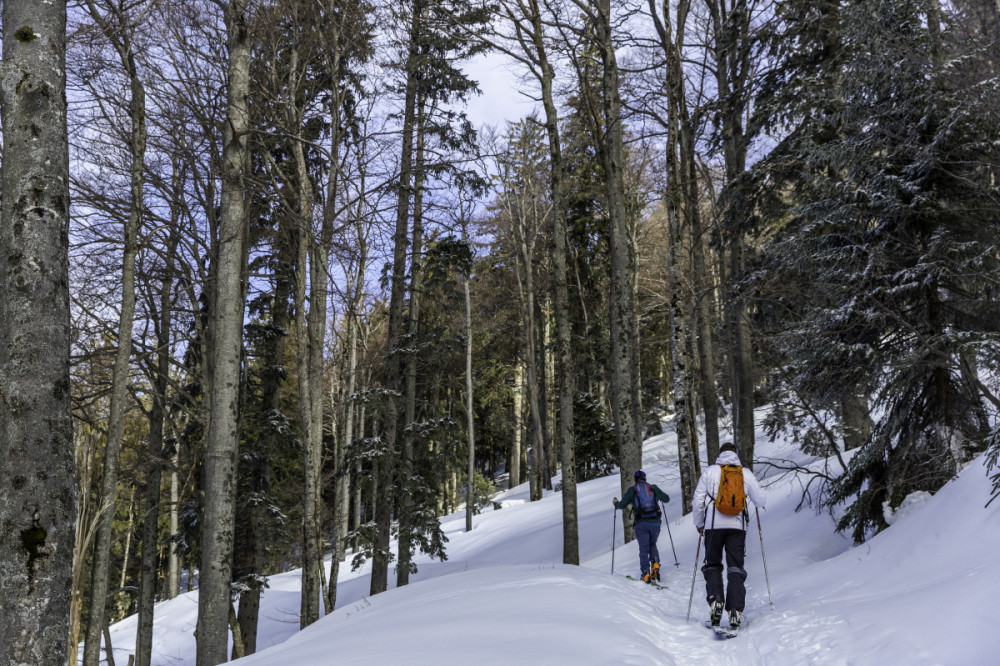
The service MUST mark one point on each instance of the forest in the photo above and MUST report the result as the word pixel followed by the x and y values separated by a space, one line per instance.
pixel 269 294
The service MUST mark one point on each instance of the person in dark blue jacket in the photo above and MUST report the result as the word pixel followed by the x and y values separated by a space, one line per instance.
pixel 643 498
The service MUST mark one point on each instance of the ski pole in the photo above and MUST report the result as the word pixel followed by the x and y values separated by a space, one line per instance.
pixel 614 525
pixel 667 521
pixel 760 530
pixel 693 576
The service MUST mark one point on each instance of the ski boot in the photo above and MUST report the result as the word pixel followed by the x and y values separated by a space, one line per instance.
pixel 734 619
pixel 645 577
pixel 716 616
pixel 655 574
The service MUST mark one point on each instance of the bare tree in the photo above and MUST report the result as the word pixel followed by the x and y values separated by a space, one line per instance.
pixel 733 51
pixel 522 199
pixel 118 28
pixel 223 426
pixel 526 19
pixel 603 113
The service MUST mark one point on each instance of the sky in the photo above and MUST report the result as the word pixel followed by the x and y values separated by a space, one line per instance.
pixel 503 98
pixel 918 593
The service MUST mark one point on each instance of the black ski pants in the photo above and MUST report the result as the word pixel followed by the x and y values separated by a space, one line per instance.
pixel 734 543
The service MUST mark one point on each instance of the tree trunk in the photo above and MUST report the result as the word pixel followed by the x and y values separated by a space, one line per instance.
pixel 679 343
pixel 542 338
pixel 223 425
pixel 342 514
pixel 119 37
pixel 357 515
pixel 514 472
pixel 704 312
pixel 174 558
pixel 319 288
pixel 343 472
pixel 150 533
pixel 470 406
pixel 537 451
pixel 250 562
pixel 85 445
pixel 307 271
pixel 234 626
pixel 681 205
pixel 564 348
pixel 386 466
pixel 612 154
pixel 157 421
pixel 406 480
pixel 743 402
pixel 729 46
pixel 545 393
pixel 857 424
pixel 342 478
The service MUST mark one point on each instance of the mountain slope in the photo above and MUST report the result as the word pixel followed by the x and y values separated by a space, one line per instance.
pixel 916 593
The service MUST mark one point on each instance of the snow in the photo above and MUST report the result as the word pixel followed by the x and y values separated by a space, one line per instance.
pixel 916 593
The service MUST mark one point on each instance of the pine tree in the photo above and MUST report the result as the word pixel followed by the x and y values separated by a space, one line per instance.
pixel 892 232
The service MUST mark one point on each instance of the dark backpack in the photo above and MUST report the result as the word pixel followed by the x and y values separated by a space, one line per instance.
pixel 645 503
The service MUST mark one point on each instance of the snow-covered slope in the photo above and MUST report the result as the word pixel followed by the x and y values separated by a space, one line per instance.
pixel 916 594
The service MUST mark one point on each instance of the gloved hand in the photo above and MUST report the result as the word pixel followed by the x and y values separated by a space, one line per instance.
pixel 614 502
pixel 701 531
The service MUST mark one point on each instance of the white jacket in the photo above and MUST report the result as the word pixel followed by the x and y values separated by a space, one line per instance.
pixel 705 514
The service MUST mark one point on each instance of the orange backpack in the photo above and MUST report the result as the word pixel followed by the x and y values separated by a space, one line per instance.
pixel 731 499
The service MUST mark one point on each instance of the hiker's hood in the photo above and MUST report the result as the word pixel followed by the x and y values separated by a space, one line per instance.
pixel 728 458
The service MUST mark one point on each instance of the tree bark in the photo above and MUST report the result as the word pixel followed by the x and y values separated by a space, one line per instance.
pixel 612 153
pixel 223 425
pixel 469 406
pixel 150 533
pixel 85 444
pixel 857 424
pixel 342 515
pixel 37 510
pixel 704 309
pixel 404 487
pixel 564 348
pixel 173 587
pixel 681 203
pixel 729 45
pixel 386 465
pixel 309 607
pixel 514 473
pixel 157 421
pixel 333 55
pixel 679 340
pixel 537 452
pixel 742 350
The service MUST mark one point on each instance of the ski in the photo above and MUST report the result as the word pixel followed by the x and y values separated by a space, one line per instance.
pixel 721 631
pixel 651 583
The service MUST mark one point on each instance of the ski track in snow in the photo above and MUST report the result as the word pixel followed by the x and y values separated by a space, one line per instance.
pixel 503 596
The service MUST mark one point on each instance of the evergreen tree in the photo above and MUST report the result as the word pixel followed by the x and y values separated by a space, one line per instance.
pixel 892 231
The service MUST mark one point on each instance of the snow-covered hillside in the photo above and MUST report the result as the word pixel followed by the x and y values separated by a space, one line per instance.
pixel 918 593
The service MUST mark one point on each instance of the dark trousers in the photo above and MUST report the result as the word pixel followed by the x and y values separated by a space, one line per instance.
pixel 646 533
pixel 734 543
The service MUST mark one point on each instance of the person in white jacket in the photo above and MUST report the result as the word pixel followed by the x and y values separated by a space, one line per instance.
pixel 727 533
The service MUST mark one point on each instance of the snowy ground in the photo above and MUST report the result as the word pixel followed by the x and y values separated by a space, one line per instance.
pixel 915 594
